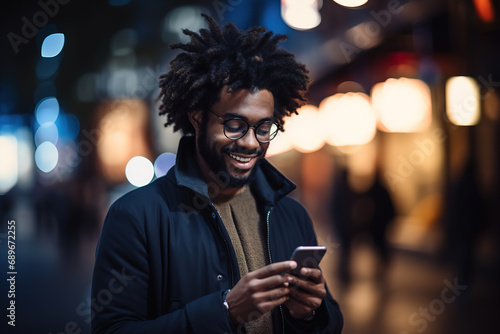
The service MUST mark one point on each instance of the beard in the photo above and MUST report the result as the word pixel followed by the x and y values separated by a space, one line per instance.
pixel 216 161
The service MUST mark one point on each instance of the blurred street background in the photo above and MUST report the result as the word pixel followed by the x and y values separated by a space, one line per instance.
pixel 396 155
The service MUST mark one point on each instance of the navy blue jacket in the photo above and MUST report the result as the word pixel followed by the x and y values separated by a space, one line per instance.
pixel 164 257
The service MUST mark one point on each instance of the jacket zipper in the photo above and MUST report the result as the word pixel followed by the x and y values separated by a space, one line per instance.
pixel 271 261
pixel 228 251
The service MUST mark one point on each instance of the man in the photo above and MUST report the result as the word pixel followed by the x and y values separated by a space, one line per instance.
pixel 205 248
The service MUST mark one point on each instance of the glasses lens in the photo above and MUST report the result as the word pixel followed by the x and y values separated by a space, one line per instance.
pixel 235 128
pixel 266 131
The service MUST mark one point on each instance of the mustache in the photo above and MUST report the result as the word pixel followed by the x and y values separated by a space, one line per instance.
pixel 242 150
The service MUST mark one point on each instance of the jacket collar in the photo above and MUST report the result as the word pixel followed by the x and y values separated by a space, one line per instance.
pixel 268 185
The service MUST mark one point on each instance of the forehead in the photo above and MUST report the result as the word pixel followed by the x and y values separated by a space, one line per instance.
pixel 252 105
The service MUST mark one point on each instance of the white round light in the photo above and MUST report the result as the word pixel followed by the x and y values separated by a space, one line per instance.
pixel 139 171
pixel 46 156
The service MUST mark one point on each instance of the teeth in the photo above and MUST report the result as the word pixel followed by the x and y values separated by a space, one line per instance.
pixel 240 158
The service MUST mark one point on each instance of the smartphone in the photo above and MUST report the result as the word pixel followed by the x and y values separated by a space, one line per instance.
pixel 307 256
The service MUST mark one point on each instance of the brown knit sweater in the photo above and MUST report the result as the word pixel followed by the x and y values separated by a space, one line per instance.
pixel 248 234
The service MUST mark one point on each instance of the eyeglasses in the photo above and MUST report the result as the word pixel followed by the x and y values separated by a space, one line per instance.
pixel 236 128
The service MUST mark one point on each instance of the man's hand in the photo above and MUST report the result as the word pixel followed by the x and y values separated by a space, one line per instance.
pixel 306 294
pixel 259 291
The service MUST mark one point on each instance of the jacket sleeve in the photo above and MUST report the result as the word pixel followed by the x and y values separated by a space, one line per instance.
pixel 328 318
pixel 122 300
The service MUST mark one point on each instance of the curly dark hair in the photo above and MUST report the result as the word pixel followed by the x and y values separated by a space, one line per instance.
pixel 226 56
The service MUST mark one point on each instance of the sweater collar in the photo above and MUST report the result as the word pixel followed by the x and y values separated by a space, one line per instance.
pixel 268 185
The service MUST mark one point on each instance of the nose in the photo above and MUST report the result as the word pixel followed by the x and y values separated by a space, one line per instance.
pixel 249 140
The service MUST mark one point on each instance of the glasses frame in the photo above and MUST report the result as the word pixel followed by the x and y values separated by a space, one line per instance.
pixel 225 121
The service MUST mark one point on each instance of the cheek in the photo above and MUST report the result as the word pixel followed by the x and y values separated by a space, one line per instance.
pixel 222 141
pixel 264 148
pixel 218 143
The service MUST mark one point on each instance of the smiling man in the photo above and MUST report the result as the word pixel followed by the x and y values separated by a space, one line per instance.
pixel 205 248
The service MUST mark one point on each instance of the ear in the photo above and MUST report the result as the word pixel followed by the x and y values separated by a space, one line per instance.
pixel 196 117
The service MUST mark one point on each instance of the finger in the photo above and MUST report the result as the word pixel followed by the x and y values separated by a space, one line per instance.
pixel 269 305
pixel 274 294
pixel 312 274
pixel 303 285
pixel 302 300
pixel 300 281
pixel 273 282
pixel 274 268
pixel 304 290
pixel 306 285
pixel 298 309
pixel 268 283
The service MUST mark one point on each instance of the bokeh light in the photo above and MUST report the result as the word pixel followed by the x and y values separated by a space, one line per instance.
pixel 462 101
pixel 351 3
pixel 47 132
pixel 9 165
pixel 281 143
pixel 307 132
pixel 122 83
pixel 47 110
pixel 485 10
pixel 301 14
pixel 25 153
pixel 349 118
pixel 68 126
pixel 121 134
pixel 52 45
pixel 402 105
pixel 46 156
pixel 163 163
pixel 139 171
pixel 183 17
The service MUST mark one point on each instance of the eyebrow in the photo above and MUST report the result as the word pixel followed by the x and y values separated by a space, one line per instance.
pixel 233 115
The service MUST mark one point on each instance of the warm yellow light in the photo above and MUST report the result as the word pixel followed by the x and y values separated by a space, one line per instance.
pixel 462 101
pixel 121 133
pixel 348 118
pixel 402 105
pixel 306 129
pixel 281 144
pixel 301 14
pixel 351 3
pixel 113 146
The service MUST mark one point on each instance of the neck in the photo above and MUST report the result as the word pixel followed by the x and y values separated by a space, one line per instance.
pixel 223 197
